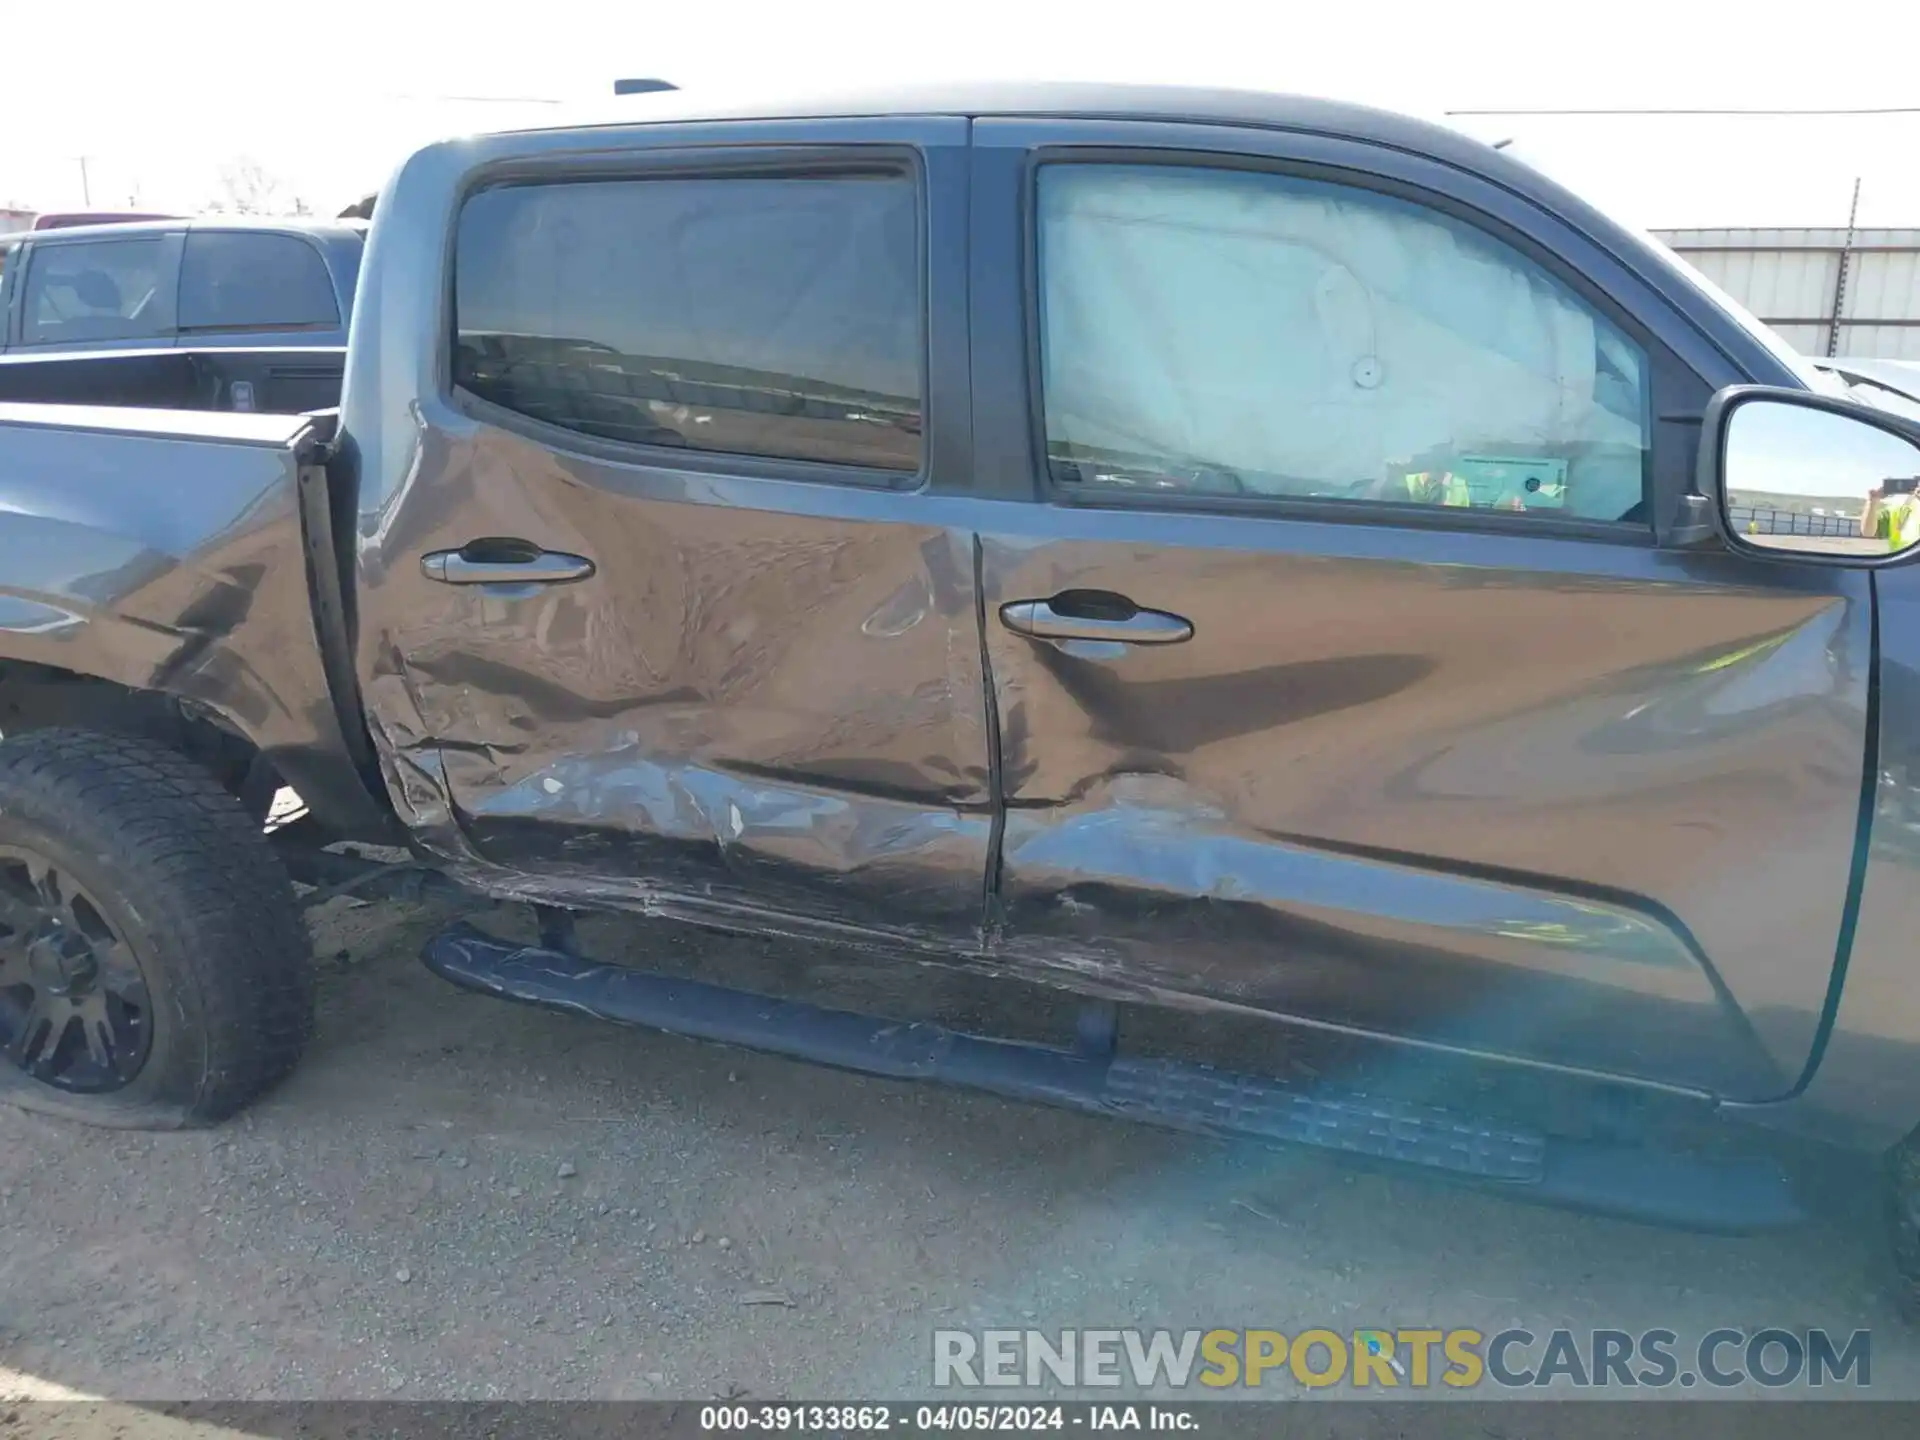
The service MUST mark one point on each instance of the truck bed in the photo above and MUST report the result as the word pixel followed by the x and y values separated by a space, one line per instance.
pixel 164 551
pixel 269 380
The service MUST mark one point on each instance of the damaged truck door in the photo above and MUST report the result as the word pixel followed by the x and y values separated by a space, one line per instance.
pixel 1373 689
pixel 677 624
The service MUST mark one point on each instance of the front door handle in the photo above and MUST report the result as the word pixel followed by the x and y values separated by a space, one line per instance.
pixel 505 562
pixel 1094 615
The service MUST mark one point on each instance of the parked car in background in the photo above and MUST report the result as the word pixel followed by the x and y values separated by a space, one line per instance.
pixel 159 283
pixel 68 219
pixel 224 313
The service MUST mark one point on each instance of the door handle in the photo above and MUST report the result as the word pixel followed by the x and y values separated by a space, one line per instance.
pixel 505 562
pixel 1094 615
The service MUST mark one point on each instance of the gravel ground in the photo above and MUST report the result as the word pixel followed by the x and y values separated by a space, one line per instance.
pixel 458 1198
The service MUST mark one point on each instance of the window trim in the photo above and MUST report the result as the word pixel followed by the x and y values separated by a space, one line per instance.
pixel 809 161
pixel 1663 367
pixel 289 328
pixel 10 246
pixel 165 295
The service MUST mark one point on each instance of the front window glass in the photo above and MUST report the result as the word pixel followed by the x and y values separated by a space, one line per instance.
pixel 1242 333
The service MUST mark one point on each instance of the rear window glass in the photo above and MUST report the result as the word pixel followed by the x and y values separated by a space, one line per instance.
pixel 230 280
pixel 772 316
pixel 93 290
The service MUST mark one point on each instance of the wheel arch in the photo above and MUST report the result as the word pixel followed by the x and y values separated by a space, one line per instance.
pixel 208 634
pixel 109 698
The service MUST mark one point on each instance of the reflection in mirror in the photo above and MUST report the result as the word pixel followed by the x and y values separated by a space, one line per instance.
pixel 1819 483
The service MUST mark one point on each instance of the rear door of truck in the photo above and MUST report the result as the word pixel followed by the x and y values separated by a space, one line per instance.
pixel 1341 671
pixel 668 605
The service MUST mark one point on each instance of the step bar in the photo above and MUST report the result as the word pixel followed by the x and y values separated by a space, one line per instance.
pixel 1725 1194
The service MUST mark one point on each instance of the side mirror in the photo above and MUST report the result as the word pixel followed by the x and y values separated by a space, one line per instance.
pixel 1797 474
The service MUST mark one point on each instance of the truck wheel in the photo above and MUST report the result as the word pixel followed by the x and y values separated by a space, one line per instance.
pixel 154 972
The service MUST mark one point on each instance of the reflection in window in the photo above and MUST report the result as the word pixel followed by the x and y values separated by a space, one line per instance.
pixel 237 280
pixel 1236 333
pixel 82 291
pixel 764 316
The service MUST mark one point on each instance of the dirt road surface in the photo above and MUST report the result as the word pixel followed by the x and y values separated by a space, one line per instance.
pixel 459 1198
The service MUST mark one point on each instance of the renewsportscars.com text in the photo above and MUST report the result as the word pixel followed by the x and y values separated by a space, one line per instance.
pixel 1416 1358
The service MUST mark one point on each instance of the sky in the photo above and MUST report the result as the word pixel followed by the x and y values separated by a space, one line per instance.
pixel 163 99
pixel 1790 450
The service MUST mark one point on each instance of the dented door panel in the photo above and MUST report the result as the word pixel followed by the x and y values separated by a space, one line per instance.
pixel 765 707
pixel 1533 790
pixel 768 697
pixel 1573 803
pixel 1862 1086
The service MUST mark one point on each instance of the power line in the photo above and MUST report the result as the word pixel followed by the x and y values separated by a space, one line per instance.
pixel 483 99
pixel 1864 110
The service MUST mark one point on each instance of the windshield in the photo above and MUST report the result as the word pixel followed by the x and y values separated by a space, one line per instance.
pixel 1810 374
pixel 1867 392
pixel 1802 366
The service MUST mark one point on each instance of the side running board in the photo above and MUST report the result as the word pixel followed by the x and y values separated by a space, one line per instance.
pixel 1725 1194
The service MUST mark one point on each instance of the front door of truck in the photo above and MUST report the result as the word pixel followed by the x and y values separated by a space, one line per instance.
pixel 664 613
pixel 1340 673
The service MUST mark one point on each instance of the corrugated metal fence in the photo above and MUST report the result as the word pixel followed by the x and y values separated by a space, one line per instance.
pixel 1828 292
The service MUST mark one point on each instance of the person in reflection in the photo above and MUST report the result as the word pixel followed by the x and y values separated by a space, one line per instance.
pixel 1892 514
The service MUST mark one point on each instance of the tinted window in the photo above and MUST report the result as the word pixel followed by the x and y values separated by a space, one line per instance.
pixel 231 280
pixel 776 317
pixel 93 290
pixel 1238 333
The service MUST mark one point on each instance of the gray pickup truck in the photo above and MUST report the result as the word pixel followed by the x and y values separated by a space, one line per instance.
pixel 222 313
pixel 1204 554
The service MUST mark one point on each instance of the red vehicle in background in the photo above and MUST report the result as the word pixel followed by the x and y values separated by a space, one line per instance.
pixel 66 219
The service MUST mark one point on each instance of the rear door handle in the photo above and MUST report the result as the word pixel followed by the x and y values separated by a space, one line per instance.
pixel 1094 616
pixel 505 562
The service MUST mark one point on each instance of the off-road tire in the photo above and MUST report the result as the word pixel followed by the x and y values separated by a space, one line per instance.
pixel 199 897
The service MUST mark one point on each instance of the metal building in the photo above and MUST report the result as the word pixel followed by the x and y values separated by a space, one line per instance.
pixel 1828 292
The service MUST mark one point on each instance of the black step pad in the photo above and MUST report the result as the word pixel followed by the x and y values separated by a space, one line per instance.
pixel 1198 1097
pixel 1725 1194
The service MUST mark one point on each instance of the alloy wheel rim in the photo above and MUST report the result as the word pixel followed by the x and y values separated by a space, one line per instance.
pixel 75 1012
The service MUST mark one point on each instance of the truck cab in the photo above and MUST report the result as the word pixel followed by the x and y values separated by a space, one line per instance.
pixel 213 314
pixel 152 284
pixel 1196 551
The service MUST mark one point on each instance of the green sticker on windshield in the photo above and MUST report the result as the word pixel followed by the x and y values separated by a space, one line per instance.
pixel 1498 481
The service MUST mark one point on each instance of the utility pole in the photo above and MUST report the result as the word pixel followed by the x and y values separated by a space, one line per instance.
pixel 86 188
pixel 1840 275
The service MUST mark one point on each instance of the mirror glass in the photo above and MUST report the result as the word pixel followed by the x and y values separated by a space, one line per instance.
pixel 1819 483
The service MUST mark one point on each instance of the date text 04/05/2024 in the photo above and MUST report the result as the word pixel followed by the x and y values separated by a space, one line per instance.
pixel 942 1419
